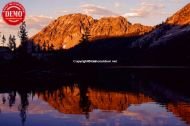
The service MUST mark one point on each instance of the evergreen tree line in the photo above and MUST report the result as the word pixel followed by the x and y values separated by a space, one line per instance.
pixel 11 42
pixel 27 45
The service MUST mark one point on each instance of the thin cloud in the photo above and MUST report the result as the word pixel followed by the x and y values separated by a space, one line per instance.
pixel 117 4
pixel 62 12
pixel 91 9
pixel 131 14
pixel 38 22
pixel 146 10
pixel 176 1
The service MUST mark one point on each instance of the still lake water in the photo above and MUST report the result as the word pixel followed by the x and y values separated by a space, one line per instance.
pixel 131 99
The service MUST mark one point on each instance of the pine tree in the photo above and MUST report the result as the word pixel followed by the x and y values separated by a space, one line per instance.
pixel 37 48
pixel 48 45
pixel 3 40
pixel 23 35
pixel 44 46
pixel 61 46
pixel 85 42
pixel 85 36
pixel 12 43
pixel 51 48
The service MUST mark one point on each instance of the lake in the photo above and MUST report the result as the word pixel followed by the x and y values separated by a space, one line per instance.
pixel 108 98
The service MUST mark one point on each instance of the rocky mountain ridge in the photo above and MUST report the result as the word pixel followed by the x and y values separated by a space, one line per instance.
pixel 67 31
pixel 174 27
pixel 181 17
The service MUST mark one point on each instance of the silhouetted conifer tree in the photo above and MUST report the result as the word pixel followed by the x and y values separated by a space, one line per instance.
pixel 3 40
pixel 51 48
pixel 23 35
pixel 44 46
pixel 85 41
pixel 48 45
pixel 85 36
pixel 12 42
pixel 37 48
pixel 61 46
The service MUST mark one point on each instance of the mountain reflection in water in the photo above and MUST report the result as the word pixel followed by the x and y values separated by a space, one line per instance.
pixel 137 102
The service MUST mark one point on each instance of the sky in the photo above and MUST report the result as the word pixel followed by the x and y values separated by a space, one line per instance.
pixel 40 13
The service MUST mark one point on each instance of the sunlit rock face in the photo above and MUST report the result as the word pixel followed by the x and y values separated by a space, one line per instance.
pixel 70 100
pixel 181 17
pixel 176 27
pixel 67 31
pixel 66 100
pixel 115 100
pixel 109 26
pixel 181 110
pixel 116 27
pixel 75 100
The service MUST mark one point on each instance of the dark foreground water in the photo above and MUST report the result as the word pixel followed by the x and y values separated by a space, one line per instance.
pixel 111 98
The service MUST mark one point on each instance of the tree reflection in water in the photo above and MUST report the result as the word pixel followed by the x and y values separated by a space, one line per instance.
pixel 12 98
pixel 23 106
pixel 84 100
pixel 3 99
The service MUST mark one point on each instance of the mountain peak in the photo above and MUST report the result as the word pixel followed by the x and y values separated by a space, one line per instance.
pixel 68 30
pixel 65 31
pixel 75 15
pixel 181 17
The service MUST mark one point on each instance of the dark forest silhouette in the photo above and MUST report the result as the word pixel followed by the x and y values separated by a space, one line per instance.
pixel 116 48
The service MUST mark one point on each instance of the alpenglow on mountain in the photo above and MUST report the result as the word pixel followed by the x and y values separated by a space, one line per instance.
pixel 173 30
pixel 67 31
pixel 181 17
